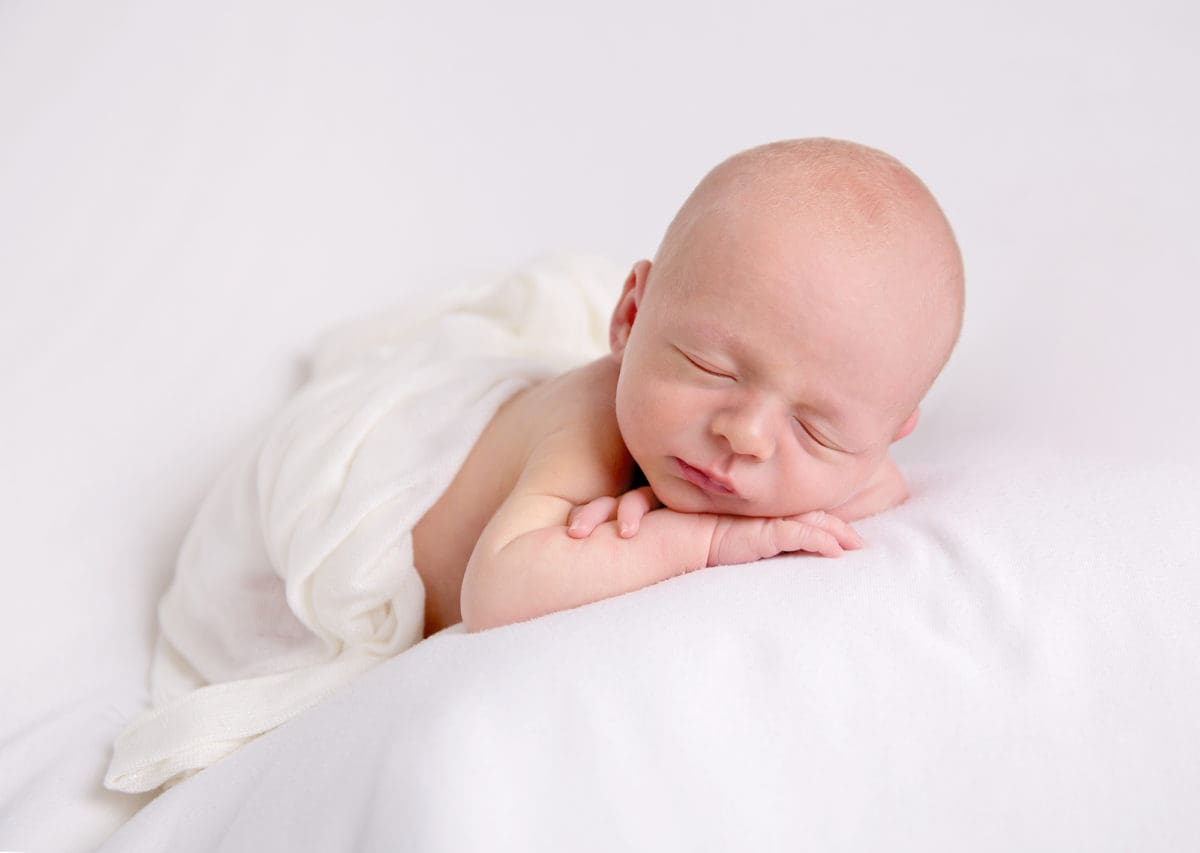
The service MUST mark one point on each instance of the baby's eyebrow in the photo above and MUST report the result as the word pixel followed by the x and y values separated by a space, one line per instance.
pixel 715 334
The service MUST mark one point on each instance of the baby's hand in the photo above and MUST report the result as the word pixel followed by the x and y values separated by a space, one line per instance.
pixel 739 539
pixel 627 510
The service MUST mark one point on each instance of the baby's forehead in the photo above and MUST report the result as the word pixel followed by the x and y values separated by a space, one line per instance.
pixel 827 262
pixel 763 272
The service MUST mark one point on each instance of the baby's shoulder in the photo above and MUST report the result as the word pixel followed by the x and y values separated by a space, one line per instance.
pixel 575 448
pixel 579 395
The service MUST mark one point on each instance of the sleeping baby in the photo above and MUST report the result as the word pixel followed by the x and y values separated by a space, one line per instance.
pixel 525 448
pixel 799 307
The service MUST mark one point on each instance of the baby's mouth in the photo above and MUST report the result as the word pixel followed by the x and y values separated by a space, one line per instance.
pixel 702 479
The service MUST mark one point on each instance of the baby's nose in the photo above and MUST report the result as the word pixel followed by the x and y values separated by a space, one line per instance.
pixel 747 429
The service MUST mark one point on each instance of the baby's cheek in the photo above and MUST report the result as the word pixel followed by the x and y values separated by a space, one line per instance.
pixel 846 486
pixel 676 399
pixel 637 421
pixel 649 404
pixel 808 484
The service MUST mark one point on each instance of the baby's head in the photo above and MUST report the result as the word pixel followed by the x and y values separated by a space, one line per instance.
pixel 802 302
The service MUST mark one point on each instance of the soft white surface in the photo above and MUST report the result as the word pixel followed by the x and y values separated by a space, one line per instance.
pixel 188 193
pixel 1010 666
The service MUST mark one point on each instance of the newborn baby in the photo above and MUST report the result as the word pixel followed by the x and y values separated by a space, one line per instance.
pixel 440 466
pixel 802 302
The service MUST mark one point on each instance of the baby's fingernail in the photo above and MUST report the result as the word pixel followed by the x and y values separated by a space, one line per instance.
pixel 626 530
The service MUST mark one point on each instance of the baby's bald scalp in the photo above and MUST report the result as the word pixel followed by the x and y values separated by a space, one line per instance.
pixel 851 189
pixel 842 191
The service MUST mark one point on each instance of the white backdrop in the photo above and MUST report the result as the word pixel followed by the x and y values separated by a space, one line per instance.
pixel 190 193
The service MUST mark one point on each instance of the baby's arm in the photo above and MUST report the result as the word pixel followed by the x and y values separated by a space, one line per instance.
pixel 525 565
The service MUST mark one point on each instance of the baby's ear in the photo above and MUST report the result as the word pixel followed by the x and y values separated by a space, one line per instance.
pixel 908 426
pixel 627 307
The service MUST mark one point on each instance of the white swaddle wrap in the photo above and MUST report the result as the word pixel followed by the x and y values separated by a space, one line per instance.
pixel 297 573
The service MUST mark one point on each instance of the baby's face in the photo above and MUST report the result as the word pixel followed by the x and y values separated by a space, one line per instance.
pixel 761 380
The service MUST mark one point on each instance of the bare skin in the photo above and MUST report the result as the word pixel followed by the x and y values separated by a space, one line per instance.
pixel 577 405
pixel 761 366
pixel 445 536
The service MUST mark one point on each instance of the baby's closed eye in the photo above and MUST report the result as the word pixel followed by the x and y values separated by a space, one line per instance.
pixel 704 366
pixel 814 436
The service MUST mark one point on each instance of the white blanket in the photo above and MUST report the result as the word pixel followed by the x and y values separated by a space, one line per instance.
pixel 297 574
pixel 1009 665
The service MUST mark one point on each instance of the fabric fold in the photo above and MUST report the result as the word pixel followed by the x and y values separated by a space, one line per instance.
pixel 297 572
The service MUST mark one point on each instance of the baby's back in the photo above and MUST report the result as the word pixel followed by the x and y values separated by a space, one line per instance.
pixel 578 404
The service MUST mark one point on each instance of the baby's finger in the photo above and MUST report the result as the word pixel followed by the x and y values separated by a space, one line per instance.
pixel 796 535
pixel 583 519
pixel 846 536
pixel 633 505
